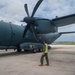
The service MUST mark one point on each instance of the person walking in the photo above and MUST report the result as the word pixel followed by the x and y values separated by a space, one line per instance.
pixel 45 54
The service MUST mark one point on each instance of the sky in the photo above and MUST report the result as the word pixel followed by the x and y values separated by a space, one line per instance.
pixel 13 11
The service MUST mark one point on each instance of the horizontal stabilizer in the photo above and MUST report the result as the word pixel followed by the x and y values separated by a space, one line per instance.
pixel 66 32
pixel 65 20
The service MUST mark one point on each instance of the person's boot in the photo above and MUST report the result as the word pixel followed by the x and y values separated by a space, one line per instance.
pixel 47 64
pixel 41 65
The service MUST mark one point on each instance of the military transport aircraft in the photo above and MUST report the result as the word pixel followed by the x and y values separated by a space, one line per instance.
pixel 34 33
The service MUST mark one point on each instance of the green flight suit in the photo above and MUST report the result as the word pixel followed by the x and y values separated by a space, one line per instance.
pixel 45 54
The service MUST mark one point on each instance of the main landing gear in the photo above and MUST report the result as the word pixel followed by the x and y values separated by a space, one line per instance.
pixel 19 50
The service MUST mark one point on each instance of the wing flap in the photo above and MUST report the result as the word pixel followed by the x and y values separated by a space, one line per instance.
pixel 66 20
pixel 66 32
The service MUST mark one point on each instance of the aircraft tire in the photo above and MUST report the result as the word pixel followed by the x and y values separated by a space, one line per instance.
pixel 34 50
pixel 40 50
pixel 19 50
pixel 25 50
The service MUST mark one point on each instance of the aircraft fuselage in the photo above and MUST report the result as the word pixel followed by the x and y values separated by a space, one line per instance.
pixel 11 36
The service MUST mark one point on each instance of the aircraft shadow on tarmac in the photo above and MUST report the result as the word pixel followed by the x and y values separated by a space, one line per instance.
pixel 14 53
pixel 9 54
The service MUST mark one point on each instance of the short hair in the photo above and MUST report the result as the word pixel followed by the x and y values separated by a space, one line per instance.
pixel 45 41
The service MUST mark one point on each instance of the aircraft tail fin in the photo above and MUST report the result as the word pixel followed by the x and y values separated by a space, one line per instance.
pixel 66 32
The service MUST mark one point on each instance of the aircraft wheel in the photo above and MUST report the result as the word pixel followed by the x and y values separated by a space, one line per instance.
pixel 34 50
pixel 49 47
pixel 25 50
pixel 40 50
pixel 19 50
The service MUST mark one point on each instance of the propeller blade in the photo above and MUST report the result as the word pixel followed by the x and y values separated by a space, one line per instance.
pixel 26 9
pixel 34 33
pixel 26 29
pixel 36 7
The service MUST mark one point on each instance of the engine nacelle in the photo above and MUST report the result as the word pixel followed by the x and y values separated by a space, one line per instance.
pixel 43 26
pixel 49 38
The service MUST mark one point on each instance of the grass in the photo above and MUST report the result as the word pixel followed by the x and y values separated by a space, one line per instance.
pixel 66 43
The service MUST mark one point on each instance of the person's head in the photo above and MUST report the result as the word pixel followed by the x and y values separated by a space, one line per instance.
pixel 44 42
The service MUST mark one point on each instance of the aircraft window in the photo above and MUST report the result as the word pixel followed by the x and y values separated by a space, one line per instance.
pixel 35 27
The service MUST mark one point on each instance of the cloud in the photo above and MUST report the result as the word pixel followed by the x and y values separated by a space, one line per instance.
pixel 67 37
pixel 48 8
pixel 13 10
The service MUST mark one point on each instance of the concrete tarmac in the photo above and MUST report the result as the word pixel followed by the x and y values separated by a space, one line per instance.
pixel 61 59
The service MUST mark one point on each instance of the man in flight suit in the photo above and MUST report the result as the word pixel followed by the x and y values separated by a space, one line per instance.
pixel 45 54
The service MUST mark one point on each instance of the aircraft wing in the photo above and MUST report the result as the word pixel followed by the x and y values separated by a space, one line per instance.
pixel 66 32
pixel 62 21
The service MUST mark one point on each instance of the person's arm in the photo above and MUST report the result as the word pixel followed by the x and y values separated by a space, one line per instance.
pixel 44 49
